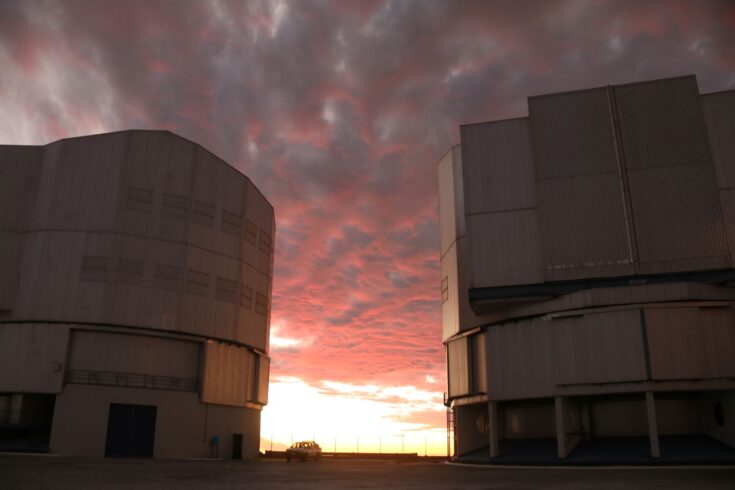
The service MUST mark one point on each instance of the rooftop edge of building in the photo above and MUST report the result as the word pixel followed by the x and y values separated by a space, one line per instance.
pixel 136 130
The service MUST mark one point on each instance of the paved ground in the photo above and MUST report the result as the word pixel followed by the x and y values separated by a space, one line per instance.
pixel 21 472
pixel 675 450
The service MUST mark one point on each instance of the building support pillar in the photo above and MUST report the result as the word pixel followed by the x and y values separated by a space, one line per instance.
pixel 565 442
pixel 586 421
pixel 493 429
pixel 652 425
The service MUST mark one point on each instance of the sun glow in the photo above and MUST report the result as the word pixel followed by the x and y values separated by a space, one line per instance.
pixel 344 417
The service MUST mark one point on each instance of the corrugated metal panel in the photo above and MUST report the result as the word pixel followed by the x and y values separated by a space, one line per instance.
pixel 32 357
pixel 677 215
pixel 518 360
pixel 136 354
pixel 228 374
pixel 727 202
pixel 479 362
pixel 598 348
pixel 11 244
pixel 457 178
pixel 580 194
pixel 719 117
pixel 450 293
pixel 19 170
pixel 500 198
pixel 458 366
pixel 498 171
pixel 505 248
pixel 263 376
pixel 447 207
pixel 686 343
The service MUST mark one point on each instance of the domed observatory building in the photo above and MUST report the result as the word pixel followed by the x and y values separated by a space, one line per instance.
pixel 588 280
pixel 136 272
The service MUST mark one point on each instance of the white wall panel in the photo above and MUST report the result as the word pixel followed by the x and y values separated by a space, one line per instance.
pixel 129 198
pixel 497 166
pixel 606 347
pixel 227 374
pixel 458 365
pixel 131 353
pixel 32 357
pixel 505 248
pixel 263 378
pixel 719 116
pixel 691 343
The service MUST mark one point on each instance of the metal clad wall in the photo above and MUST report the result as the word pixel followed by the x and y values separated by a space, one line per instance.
pixel 500 204
pixel 458 365
pixel 32 357
pixel 687 343
pixel 505 248
pixel 518 360
pixel 448 248
pixel 598 348
pixel 580 198
pixel 130 353
pixel 11 244
pixel 227 374
pixel 20 167
pixel 498 171
pixel 673 191
pixel 479 362
pixel 450 293
pixel 263 376
pixel 719 116
pixel 117 239
pixel 447 204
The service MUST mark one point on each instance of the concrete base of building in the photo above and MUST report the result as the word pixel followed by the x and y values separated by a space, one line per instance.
pixel 635 451
pixel 559 429
pixel 184 427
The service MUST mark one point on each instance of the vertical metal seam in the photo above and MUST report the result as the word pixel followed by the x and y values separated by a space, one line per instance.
pixel 646 350
pixel 623 180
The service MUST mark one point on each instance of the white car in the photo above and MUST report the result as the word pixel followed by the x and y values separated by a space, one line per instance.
pixel 304 450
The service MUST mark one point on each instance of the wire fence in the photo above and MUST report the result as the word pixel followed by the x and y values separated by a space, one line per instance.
pixel 424 443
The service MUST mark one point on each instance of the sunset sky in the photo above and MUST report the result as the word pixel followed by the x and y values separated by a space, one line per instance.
pixel 339 112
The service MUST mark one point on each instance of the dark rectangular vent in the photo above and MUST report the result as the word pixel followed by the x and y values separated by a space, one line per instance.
pixel 246 297
pixel 132 380
pixel 232 223
pixel 265 244
pixel 197 283
pixel 94 268
pixel 139 200
pixel 203 213
pixel 261 304
pixel 226 290
pixel 167 277
pixel 250 231
pixel 129 271
pixel 175 206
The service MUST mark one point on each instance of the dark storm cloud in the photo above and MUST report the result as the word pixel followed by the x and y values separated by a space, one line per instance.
pixel 339 111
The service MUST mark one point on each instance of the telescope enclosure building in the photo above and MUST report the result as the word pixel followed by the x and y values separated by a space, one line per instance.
pixel 588 281
pixel 135 285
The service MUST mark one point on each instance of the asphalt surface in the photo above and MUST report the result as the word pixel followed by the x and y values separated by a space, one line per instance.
pixel 23 472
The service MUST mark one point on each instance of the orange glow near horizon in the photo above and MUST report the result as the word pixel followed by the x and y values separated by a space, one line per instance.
pixel 346 417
